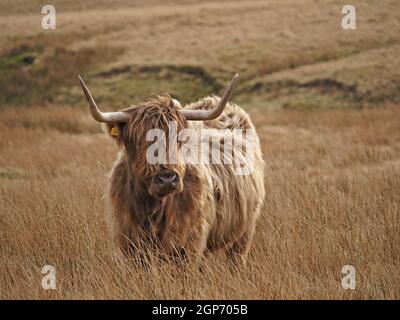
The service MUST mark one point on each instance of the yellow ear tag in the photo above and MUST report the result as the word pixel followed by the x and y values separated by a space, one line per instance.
pixel 114 131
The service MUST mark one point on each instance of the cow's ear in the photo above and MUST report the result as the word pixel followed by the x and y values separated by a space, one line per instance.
pixel 114 130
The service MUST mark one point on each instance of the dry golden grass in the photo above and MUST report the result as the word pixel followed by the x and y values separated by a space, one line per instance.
pixel 332 177
pixel 332 180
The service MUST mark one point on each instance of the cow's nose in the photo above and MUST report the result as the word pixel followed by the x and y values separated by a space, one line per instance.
pixel 165 182
pixel 166 178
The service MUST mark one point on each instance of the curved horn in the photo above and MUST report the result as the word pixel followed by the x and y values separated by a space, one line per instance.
pixel 213 113
pixel 108 117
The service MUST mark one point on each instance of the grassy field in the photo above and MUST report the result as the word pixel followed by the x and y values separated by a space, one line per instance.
pixel 325 103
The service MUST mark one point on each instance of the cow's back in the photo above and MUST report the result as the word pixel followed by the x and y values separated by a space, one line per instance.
pixel 238 191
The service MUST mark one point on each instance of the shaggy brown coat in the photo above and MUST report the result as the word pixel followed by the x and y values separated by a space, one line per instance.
pixel 216 208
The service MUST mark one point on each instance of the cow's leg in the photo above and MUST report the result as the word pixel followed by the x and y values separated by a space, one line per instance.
pixel 135 252
pixel 239 250
pixel 121 241
pixel 127 248
pixel 196 248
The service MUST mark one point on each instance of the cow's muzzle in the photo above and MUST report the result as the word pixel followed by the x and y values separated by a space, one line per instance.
pixel 164 182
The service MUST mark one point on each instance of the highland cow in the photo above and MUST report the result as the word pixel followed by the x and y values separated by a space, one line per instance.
pixel 181 209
